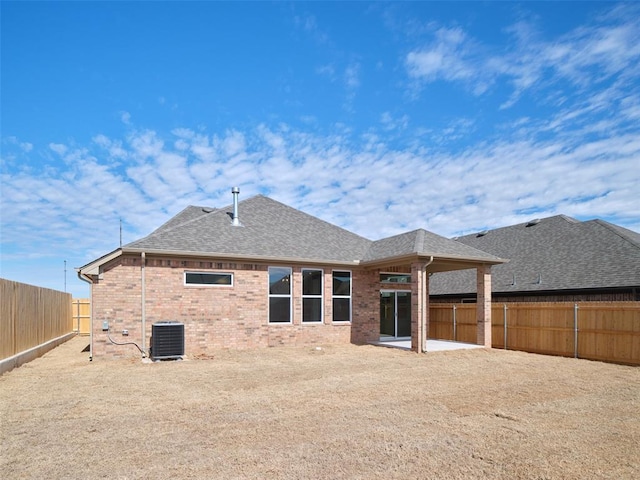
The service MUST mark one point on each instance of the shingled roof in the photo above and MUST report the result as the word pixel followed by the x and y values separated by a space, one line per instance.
pixel 423 243
pixel 272 230
pixel 269 230
pixel 552 254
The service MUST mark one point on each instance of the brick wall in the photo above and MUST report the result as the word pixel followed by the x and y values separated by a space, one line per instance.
pixel 219 317
pixel 366 307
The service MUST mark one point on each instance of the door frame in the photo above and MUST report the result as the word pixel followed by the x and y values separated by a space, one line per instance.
pixel 390 338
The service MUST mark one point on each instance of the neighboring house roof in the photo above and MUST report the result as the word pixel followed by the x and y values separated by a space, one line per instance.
pixel 270 230
pixel 555 253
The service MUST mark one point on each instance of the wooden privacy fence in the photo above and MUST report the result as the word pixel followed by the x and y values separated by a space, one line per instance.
pixel 82 316
pixel 607 331
pixel 31 316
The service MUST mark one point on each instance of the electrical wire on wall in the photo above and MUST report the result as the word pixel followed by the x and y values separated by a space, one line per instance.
pixel 144 354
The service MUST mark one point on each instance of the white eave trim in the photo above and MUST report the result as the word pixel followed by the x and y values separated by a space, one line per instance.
pixel 436 257
pixel 93 268
pixel 242 258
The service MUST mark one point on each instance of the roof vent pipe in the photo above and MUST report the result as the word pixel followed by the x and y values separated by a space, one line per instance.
pixel 236 220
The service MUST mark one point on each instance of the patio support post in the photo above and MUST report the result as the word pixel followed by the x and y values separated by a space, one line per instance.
pixel 419 306
pixel 483 306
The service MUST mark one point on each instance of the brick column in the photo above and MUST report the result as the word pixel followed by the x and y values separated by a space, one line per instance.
pixel 419 307
pixel 483 305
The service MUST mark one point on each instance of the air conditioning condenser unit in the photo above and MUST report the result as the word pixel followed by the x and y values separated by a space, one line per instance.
pixel 167 340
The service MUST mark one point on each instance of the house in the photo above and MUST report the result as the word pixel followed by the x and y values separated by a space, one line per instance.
pixel 553 259
pixel 259 273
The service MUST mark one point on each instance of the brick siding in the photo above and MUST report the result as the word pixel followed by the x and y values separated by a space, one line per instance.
pixel 219 317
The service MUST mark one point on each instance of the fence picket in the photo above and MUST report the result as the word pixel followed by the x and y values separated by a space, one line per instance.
pixel 606 331
pixel 31 316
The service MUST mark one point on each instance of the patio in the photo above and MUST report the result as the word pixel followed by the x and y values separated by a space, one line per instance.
pixel 432 345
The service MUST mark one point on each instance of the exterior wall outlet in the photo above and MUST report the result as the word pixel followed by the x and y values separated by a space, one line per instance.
pixel 125 333
pixel 105 325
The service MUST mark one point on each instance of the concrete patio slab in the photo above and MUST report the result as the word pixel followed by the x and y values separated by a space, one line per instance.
pixel 432 345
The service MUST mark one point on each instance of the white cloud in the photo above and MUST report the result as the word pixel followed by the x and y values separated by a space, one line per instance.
pixel 59 148
pixel 361 184
pixel 444 58
pixel 327 70
pixel 585 56
pixel 125 117
pixel 352 76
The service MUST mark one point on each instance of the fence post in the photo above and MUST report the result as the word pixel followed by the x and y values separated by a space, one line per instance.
pixel 455 336
pixel 575 330
pixel 504 317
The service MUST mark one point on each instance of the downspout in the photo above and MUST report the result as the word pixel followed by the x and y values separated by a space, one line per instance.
pixel 84 278
pixel 143 300
pixel 425 302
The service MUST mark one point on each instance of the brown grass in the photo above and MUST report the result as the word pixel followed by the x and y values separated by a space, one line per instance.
pixel 340 412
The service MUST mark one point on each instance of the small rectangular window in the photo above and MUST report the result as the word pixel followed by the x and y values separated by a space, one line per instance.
pixel 208 279
pixel 279 295
pixel 312 295
pixel 341 296
pixel 395 278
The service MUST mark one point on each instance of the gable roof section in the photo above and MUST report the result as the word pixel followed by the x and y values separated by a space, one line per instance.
pixel 557 253
pixel 272 231
pixel 424 244
pixel 269 230
pixel 190 213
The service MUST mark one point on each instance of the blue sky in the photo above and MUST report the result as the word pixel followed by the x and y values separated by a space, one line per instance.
pixel 378 117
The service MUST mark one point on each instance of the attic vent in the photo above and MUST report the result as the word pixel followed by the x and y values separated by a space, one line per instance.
pixel 207 209
pixel 482 233
pixel 533 222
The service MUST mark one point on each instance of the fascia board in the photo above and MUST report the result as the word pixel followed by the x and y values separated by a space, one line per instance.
pixel 472 261
pixel 93 268
pixel 239 258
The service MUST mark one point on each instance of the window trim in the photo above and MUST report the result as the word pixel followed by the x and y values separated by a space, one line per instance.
pixel 397 274
pixel 350 297
pixel 208 285
pixel 279 295
pixel 321 296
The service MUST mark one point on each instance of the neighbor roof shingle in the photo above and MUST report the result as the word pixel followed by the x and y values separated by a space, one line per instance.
pixel 557 253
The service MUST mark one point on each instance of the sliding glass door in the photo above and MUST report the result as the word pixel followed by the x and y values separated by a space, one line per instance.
pixel 395 314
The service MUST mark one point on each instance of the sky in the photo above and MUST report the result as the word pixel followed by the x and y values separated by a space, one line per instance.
pixel 378 117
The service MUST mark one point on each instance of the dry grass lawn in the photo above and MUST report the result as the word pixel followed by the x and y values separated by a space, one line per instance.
pixel 341 412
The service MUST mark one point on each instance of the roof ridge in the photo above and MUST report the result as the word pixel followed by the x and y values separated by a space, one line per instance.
pixel 419 245
pixel 486 231
pixel 191 220
pixel 317 219
pixel 618 230
pixel 160 229
pixel 566 217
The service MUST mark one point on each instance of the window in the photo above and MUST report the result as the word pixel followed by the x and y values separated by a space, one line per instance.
pixel 395 278
pixel 312 295
pixel 208 279
pixel 279 295
pixel 341 296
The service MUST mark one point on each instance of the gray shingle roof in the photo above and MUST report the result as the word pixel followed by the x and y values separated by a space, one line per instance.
pixel 189 213
pixel 268 229
pixel 558 253
pixel 271 229
pixel 422 242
